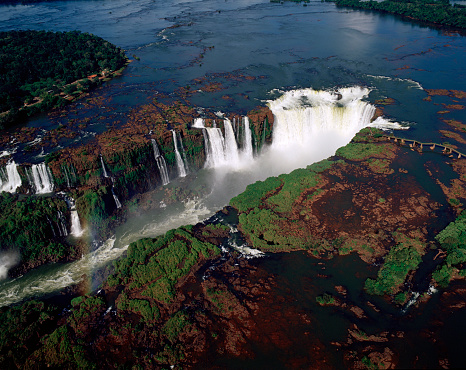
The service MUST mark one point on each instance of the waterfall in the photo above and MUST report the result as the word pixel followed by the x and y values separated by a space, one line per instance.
pixel 117 202
pixel 222 151
pixel 185 160
pixel 161 164
pixel 9 178
pixel 40 178
pixel 247 152
pixel 231 147
pixel 62 224
pixel 301 116
pixel 76 229
pixel 103 166
pixel 179 160
pixel 215 144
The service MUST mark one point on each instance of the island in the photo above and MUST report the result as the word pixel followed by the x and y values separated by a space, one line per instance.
pixel 40 70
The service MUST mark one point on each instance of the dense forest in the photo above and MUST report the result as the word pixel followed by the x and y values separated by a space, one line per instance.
pixel 40 69
pixel 433 11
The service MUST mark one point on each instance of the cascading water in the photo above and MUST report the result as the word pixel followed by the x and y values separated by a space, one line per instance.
pixel 161 164
pixel 223 151
pixel 103 166
pixel 40 178
pixel 215 144
pixel 179 160
pixel 231 147
pixel 76 229
pixel 247 152
pixel 117 202
pixel 9 178
pixel 302 115
pixel 186 166
pixel 62 224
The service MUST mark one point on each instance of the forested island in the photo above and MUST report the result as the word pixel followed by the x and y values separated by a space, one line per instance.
pixel 40 69
pixel 440 12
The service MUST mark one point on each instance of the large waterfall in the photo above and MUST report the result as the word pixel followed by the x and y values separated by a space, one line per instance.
pixel 301 116
pixel 161 164
pixel 179 160
pixel 40 178
pixel 9 178
pixel 223 151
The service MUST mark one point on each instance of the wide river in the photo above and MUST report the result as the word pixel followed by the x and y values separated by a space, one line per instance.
pixel 285 46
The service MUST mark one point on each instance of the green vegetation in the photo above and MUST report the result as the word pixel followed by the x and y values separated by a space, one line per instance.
pixel 325 299
pixel 154 266
pixel 91 206
pixel 294 184
pixel 453 241
pixel 359 151
pixel 139 306
pixel 399 261
pixel 254 193
pixel 434 11
pixel 31 225
pixel 20 328
pixel 37 66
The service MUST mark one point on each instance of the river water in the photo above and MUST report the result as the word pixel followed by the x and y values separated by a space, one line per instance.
pixel 284 46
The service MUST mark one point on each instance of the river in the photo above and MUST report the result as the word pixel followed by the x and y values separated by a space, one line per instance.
pixel 283 46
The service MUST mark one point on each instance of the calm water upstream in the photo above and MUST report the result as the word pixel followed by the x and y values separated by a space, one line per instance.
pixel 290 46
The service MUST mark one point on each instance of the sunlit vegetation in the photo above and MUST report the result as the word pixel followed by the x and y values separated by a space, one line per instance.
pixel 31 225
pixel 399 261
pixel 40 70
pixel 359 151
pixel 154 266
pixel 453 241
pixel 252 196
pixel 434 11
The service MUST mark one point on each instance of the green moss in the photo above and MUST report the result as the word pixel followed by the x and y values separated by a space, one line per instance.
pixel 399 261
pixel 252 196
pixel 359 151
pixel 453 240
pixel 156 265
pixel 325 299
pixel 294 184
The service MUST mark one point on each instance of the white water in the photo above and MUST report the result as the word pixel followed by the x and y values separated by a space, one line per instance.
pixel 224 151
pixel 103 167
pixel 76 229
pixel 247 153
pixel 179 160
pixel 216 148
pixel 161 164
pixel 332 128
pixel 231 147
pixel 117 202
pixel 40 178
pixel 62 224
pixel 9 178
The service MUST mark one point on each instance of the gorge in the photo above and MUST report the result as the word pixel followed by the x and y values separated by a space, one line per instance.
pixel 351 251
